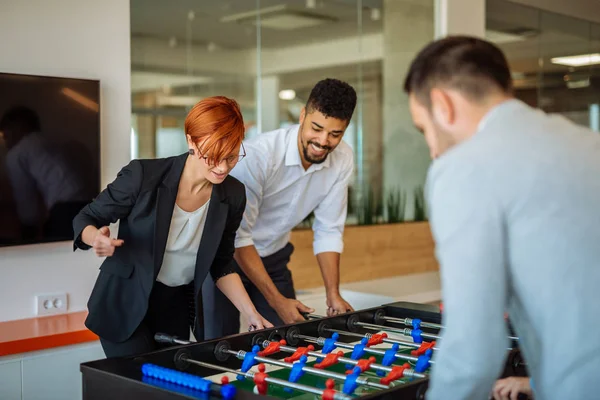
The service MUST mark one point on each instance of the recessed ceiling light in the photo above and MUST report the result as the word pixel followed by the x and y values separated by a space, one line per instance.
pixel 577 61
pixel 287 94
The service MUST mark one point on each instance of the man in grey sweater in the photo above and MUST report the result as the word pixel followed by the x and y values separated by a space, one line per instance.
pixel 514 197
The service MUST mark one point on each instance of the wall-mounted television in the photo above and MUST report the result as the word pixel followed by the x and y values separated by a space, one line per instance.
pixel 49 155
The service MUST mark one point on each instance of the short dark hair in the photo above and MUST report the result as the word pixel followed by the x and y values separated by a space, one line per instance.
pixel 20 120
pixel 471 65
pixel 333 98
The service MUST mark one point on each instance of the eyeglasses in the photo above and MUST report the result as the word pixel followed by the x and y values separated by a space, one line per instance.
pixel 232 159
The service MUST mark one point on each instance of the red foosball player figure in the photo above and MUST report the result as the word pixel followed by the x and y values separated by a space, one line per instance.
pixel 260 380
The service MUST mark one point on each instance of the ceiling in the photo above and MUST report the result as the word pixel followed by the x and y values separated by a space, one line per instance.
pixel 169 19
pixel 533 36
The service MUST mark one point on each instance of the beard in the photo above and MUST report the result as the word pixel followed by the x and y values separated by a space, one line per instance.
pixel 312 158
pixel 315 159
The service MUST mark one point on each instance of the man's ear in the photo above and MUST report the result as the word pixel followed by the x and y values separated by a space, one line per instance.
pixel 302 115
pixel 442 108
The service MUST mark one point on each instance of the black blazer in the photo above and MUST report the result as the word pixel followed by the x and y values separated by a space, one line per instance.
pixel 142 197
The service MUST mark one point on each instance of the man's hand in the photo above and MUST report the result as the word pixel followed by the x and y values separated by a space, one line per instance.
pixel 511 387
pixel 103 245
pixel 289 310
pixel 337 305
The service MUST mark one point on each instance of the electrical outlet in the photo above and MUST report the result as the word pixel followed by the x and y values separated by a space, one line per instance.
pixel 49 304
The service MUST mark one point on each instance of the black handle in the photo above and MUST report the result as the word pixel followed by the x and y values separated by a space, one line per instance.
pixel 169 339
pixel 305 315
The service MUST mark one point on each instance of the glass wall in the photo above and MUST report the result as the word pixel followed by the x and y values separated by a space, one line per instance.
pixel 268 54
pixel 554 58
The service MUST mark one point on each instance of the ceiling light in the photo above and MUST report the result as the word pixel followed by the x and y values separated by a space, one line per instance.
pixel 280 17
pixel 287 94
pixel 577 61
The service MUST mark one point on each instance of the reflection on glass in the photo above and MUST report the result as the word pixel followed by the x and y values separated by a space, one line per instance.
pixel 553 58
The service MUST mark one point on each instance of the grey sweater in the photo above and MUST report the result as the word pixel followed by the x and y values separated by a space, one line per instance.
pixel 515 213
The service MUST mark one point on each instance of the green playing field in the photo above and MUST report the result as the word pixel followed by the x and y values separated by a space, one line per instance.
pixel 317 381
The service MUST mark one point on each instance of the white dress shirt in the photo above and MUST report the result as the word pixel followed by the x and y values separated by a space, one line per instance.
pixel 179 262
pixel 280 193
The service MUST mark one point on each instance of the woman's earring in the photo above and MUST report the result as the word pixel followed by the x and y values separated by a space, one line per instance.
pixel 191 151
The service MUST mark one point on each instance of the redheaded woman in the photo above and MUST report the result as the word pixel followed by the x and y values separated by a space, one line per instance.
pixel 178 218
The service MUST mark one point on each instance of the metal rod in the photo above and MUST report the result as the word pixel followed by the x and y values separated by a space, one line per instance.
pixel 409 321
pixel 386 340
pixel 320 341
pixel 405 331
pixel 377 367
pixel 319 372
pixel 275 381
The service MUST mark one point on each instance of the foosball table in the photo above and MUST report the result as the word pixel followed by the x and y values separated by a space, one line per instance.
pixel 379 353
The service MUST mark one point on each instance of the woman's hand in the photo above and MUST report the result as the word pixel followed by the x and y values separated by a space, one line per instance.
pixel 256 321
pixel 103 245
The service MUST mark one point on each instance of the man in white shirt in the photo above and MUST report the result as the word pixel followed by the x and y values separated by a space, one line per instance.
pixel 290 173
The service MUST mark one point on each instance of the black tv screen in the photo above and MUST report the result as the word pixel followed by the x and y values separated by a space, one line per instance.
pixel 49 155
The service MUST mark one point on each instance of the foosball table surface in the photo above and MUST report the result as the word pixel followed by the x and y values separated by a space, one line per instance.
pixel 124 377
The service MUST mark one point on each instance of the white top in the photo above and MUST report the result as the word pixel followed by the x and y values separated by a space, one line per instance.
pixel 179 262
pixel 280 193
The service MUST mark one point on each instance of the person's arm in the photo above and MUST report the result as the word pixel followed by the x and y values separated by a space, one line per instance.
pixel 222 269
pixel 90 226
pixel 231 285
pixel 253 172
pixel 469 232
pixel 328 244
pixel 251 264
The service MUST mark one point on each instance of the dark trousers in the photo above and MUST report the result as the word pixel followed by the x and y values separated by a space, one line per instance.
pixel 170 310
pixel 221 318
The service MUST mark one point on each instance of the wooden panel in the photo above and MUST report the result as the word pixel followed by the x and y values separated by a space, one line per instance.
pixel 370 252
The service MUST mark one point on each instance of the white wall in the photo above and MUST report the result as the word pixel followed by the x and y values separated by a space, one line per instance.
pixel 69 38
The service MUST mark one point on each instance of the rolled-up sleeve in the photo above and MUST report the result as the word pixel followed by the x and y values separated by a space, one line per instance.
pixel 330 215
pixel 252 172
pixel 468 229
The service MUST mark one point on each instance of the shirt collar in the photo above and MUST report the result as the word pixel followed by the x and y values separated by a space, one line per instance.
pixel 497 110
pixel 292 154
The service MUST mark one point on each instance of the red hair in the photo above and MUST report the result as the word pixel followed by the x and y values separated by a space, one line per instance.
pixel 217 120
